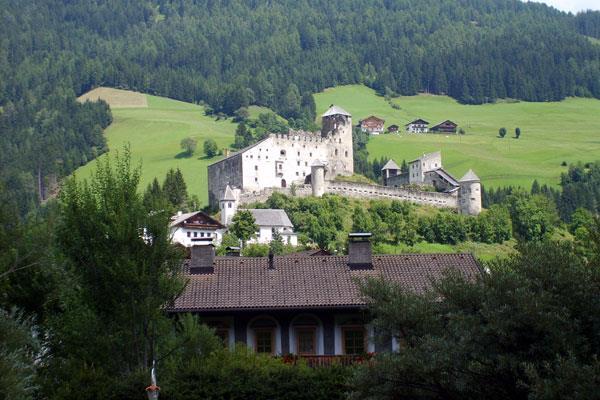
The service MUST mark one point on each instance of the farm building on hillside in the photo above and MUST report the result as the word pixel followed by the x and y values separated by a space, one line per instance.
pixel 308 305
pixel 417 126
pixel 445 127
pixel 373 125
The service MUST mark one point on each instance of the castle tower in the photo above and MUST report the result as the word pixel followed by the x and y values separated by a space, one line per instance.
pixel 337 126
pixel 317 178
pixel 228 206
pixel 390 169
pixel 469 194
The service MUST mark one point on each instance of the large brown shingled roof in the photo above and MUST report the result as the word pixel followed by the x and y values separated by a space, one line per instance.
pixel 244 283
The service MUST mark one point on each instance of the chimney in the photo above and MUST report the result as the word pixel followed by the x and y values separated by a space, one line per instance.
pixel 271 260
pixel 359 251
pixel 203 257
pixel 232 251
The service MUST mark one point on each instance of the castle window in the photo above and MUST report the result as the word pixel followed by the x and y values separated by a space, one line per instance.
pixel 256 167
pixel 282 152
pixel 304 174
pixel 298 154
pixel 310 154
pixel 298 163
pixel 306 163
pixel 346 153
pixel 280 165
pixel 336 152
pixel 255 179
pixel 267 157
pixel 297 173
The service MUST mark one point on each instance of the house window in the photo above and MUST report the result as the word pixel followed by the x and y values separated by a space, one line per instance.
pixel 195 234
pixel 264 340
pixel 306 341
pixel 229 205
pixel 201 234
pixel 189 234
pixel 353 339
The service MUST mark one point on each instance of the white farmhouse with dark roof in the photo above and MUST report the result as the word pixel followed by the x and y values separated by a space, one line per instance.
pixel 270 221
pixel 195 225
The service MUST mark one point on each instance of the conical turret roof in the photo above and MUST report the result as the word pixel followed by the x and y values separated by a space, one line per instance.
pixel 390 165
pixel 469 176
pixel 335 110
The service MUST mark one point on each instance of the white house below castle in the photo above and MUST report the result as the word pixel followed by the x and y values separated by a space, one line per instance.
pixel 195 225
pixel 268 221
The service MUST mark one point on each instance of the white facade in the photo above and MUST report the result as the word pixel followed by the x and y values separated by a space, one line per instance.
pixel 265 235
pixel 428 162
pixel 184 235
pixel 185 227
pixel 417 128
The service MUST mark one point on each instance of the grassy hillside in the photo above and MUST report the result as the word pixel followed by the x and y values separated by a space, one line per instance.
pixel 154 133
pixel 552 132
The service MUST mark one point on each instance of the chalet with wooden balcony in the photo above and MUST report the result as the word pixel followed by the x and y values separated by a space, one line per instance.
pixel 305 306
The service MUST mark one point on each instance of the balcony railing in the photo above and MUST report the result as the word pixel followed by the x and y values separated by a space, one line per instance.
pixel 327 360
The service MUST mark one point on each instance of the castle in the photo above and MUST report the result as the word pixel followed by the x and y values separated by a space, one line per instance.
pixel 312 161
pixel 279 160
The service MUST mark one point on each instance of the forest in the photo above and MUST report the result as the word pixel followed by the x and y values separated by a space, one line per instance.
pixel 229 54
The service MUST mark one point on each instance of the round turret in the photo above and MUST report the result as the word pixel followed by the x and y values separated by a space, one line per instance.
pixel 469 194
pixel 317 178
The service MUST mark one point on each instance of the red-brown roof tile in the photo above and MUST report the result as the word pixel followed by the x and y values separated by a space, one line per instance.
pixel 307 282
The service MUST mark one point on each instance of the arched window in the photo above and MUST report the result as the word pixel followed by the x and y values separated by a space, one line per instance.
pixel 306 335
pixel 263 331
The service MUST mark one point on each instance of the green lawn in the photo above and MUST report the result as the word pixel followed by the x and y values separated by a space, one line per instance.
pixel 483 251
pixel 552 132
pixel 154 134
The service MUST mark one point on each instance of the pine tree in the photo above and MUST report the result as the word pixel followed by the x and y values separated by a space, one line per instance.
pixel 276 246
pixel 174 188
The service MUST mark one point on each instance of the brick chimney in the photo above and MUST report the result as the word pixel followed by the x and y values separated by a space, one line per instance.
pixel 359 251
pixel 203 257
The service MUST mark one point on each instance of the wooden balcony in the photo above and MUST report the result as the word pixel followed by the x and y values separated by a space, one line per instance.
pixel 328 360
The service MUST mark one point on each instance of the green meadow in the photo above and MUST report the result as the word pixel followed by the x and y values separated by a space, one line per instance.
pixel 551 133
pixel 154 134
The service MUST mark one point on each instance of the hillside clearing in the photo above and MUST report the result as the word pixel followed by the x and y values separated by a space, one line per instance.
pixel 154 134
pixel 552 132
pixel 116 98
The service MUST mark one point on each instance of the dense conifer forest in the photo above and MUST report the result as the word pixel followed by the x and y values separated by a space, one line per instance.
pixel 274 53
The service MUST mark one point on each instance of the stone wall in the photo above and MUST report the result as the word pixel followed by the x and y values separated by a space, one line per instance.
pixel 222 173
pixel 362 191
pixel 444 200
